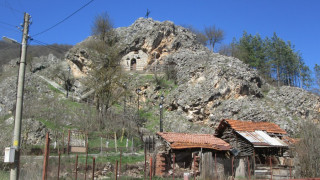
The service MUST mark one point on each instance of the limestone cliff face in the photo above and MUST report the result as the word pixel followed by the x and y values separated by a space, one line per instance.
pixel 213 87
pixel 143 44
pixel 210 86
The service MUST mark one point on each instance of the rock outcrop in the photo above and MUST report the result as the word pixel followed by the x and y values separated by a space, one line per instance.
pixel 210 86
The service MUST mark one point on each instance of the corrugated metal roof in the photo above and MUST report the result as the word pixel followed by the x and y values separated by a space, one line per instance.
pixel 262 139
pixel 186 140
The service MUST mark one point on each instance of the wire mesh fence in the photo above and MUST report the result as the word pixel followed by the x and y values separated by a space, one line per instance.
pixel 106 148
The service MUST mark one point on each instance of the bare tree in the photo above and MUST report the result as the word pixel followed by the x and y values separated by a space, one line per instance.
pixel 102 25
pixel 308 150
pixel 63 75
pixel 200 36
pixel 214 35
pixel 106 74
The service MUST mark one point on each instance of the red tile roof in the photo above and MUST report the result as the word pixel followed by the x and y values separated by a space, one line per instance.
pixel 252 126
pixel 184 140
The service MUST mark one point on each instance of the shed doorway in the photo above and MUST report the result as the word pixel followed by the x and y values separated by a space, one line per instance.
pixel 133 64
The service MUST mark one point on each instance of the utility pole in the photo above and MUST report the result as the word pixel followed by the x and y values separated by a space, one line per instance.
pixel 14 174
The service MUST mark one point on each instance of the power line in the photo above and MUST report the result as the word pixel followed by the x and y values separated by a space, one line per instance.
pixel 8 24
pixel 6 28
pixel 7 5
pixel 63 19
pixel 48 45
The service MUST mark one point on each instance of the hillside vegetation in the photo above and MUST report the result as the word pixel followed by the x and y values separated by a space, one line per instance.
pixel 200 88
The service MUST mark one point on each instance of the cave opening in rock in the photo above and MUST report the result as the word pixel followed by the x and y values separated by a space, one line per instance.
pixel 133 64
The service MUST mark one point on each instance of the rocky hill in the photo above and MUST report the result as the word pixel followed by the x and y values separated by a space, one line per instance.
pixel 209 86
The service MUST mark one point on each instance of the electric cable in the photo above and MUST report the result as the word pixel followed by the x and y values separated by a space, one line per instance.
pixel 48 45
pixel 63 19
pixel 8 24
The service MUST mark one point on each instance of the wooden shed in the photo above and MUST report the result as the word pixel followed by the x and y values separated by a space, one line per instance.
pixel 262 145
pixel 194 154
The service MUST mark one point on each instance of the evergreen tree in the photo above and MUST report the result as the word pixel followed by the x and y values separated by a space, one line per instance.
pixel 272 57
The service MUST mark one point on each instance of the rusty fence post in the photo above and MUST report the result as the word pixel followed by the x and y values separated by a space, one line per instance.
pixel 150 168
pixel 270 167
pixel 46 157
pixel 173 160
pixel 116 170
pixel 59 165
pixel 68 141
pixel 145 162
pixel 86 167
pixel 93 166
pixel 76 168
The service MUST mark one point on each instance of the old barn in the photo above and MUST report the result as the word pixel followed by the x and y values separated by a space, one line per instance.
pixel 262 148
pixel 201 155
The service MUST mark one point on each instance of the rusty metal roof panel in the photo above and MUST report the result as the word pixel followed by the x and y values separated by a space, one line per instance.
pixel 253 126
pixel 187 140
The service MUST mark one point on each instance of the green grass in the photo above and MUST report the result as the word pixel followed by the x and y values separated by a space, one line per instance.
pixel 5 117
pixel 152 122
pixel 113 158
pixel 95 143
pixel 72 104
pixel 55 90
pixel 4 175
pixel 49 124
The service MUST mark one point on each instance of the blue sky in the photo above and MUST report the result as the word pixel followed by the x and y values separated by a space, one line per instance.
pixel 294 20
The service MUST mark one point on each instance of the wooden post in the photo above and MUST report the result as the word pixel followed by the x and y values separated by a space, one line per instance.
pixel 150 168
pixel 87 143
pixel 63 150
pixel 59 164
pixel 194 165
pixel 249 175
pixel 173 160
pixel 68 142
pixel 290 172
pixel 120 163
pixel 93 166
pixel 232 166
pixel 46 157
pixel 115 141
pixel 270 167
pixel 76 168
pixel 153 144
pixel 215 165
pixel 116 169
pixel 145 162
pixel 86 167
pixel 254 163
pixel 149 144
